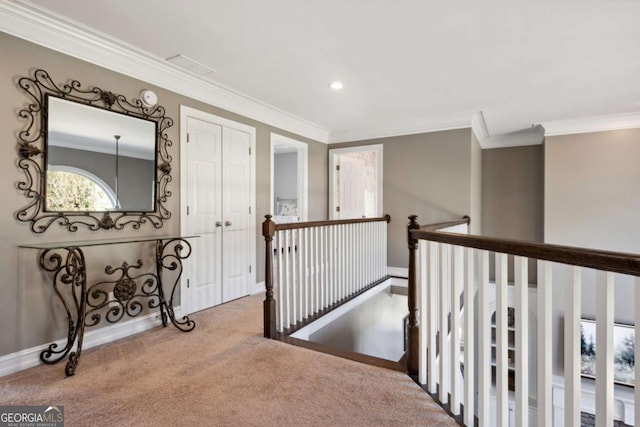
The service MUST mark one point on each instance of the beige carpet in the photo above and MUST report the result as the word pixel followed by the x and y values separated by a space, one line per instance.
pixel 222 374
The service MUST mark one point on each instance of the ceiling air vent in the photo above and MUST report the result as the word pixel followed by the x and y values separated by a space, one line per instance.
pixel 191 65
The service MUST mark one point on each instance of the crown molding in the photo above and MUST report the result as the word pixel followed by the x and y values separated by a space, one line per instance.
pixel 25 20
pixel 592 124
pixel 530 136
pixel 423 126
pixel 479 127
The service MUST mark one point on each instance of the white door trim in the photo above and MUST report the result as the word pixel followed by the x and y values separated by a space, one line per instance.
pixel 378 148
pixel 303 173
pixel 186 112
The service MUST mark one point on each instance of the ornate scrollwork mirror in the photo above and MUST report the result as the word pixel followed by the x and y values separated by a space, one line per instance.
pixel 91 158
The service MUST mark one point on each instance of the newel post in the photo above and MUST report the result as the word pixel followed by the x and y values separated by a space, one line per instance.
pixel 269 306
pixel 413 330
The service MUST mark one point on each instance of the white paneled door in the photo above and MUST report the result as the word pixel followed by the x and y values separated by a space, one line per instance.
pixel 236 184
pixel 218 187
pixel 353 185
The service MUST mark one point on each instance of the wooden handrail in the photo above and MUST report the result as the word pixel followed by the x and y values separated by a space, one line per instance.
pixel 617 262
pixel 308 224
pixel 440 225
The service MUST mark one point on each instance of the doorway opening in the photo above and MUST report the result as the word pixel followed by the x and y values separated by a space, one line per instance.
pixel 356 182
pixel 289 179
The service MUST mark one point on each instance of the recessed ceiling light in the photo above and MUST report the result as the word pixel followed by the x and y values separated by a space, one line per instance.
pixel 336 85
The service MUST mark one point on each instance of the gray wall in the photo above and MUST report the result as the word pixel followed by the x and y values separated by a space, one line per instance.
pixel 592 200
pixel 513 196
pixel 592 194
pixel 27 306
pixel 425 174
pixel 285 175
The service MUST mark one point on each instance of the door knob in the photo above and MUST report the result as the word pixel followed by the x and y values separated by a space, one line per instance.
pixel 227 223
pixel 218 224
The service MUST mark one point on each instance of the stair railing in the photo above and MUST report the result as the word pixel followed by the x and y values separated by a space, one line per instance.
pixel 445 267
pixel 313 267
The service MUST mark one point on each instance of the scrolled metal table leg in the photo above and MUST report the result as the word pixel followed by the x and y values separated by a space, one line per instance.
pixel 72 274
pixel 169 256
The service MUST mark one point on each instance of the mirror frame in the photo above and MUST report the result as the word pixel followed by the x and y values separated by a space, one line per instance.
pixel 32 155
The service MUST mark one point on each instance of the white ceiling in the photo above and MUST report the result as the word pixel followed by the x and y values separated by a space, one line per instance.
pixel 407 65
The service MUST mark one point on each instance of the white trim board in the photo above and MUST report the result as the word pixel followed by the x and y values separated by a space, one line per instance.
pixel 30 357
pixel 398 272
pixel 36 24
pixel 259 288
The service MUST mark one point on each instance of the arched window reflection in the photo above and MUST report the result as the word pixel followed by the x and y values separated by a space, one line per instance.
pixel 74 189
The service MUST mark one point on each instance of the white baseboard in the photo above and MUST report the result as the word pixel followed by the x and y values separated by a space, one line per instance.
pixel 398 272
pixel 30 357
pixel 258 288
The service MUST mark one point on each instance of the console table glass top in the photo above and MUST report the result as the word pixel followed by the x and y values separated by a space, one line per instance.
pixel 88 243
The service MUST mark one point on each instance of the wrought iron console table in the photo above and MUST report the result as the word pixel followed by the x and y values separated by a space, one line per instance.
pixel 126 294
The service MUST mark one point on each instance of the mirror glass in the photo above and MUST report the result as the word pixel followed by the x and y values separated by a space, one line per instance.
pixel 98 160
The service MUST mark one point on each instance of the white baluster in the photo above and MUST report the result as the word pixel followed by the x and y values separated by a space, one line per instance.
pixel 366 255
pixel 456 286
pixel 313 288
pixel 287 278
pixel 383 228
pixel 316 264
pixel 295 283
pixel 432 302
pixel 363 254
pixel 521 307
pixel 327 266
pixel 279 255
pixel 572 349
pixel 339 262
pixel 323 270
pixel 343 260
pixel 604 353
pixel 421 286
pixel 354 236
pixel 545 344
pixel 352 258
pixel 369 244
pixel 334 282
pixel 502 359
pixel 484 340
pixel 469 341
pixel 304 252
pixel 378 252
pixel 356 257
pixel 445 284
